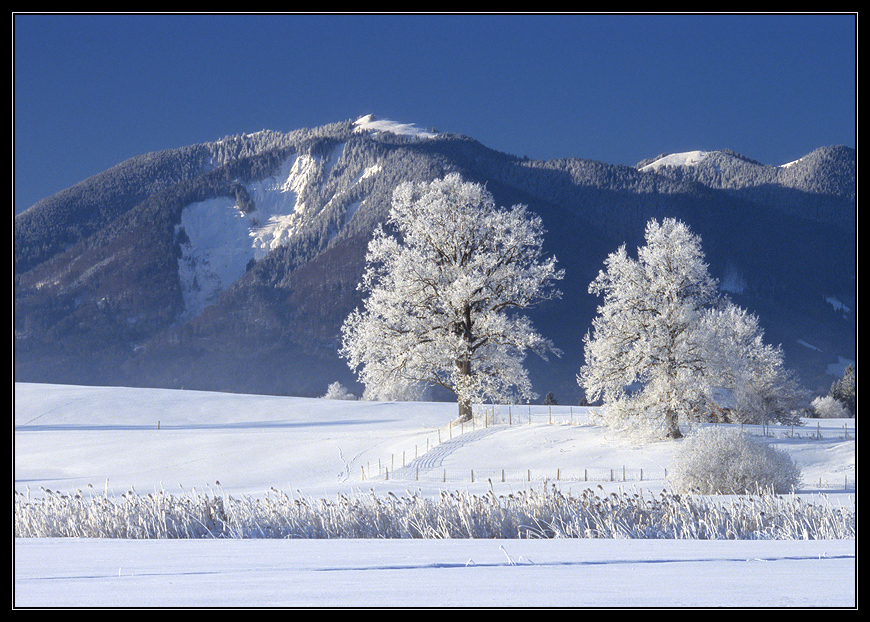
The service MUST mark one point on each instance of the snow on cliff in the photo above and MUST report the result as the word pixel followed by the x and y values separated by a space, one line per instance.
pixel 220 240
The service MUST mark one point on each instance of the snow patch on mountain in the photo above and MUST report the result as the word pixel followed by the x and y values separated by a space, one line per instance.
pixel 279 212
pixel 839 368
pixel 839 306
pixel 212 256
pixel 219 240
pixel 685 158
pixel 806 344
pixel 792 163
pixel 370 123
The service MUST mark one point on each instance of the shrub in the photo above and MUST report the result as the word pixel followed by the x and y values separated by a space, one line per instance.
pixel 828 407
pixel 716 460
pixel 336 391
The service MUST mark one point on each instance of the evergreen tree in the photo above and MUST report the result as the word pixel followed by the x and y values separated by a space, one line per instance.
pixel 845 390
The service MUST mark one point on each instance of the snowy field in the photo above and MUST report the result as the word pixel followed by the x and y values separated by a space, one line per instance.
pixel 115 441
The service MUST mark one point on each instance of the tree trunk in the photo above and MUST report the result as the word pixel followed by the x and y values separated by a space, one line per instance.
pixel 464 411
pixel 672 419
pixel 464 366
pixel 463 363
pixel 673 424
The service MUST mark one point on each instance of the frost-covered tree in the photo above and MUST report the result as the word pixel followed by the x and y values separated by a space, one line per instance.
pixel 444 294
pixel 827 407
pixel 746 375
pixel 646 335
pixel 666 347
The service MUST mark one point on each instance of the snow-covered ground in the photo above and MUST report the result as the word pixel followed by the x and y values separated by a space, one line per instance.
pixel 116 440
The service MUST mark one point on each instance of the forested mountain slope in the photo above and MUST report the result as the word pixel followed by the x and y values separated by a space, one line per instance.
pixel 231 265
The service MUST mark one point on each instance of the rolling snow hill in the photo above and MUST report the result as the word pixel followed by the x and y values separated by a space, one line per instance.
pixel 141 441
pixel 116 439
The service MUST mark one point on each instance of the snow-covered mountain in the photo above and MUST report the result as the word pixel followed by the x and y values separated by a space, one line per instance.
pixel 221 238
pixel 230 265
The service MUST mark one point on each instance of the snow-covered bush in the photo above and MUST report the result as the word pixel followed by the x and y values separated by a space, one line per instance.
pixel 719 460
pixel 828 407
pixel 337 391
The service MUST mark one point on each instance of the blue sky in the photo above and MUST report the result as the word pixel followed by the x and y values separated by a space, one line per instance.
pixel 93 90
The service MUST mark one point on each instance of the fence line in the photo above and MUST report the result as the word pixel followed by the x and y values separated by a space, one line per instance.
pixel 621 474
pixel 524 415
pixel 598 474
pixel 799 431
pixel 399 466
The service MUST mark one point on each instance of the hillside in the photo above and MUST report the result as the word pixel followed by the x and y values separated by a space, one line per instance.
pixel 107 441
pixel 115 439
pixel 230 265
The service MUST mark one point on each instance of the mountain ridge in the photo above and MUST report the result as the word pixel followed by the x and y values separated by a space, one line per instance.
pixel 114 288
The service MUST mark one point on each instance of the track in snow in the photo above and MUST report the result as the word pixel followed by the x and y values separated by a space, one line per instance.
pixel 433 459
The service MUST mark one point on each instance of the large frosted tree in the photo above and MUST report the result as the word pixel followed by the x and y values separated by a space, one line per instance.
pixel 646 356
pixel 445 291
pixel 666 348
